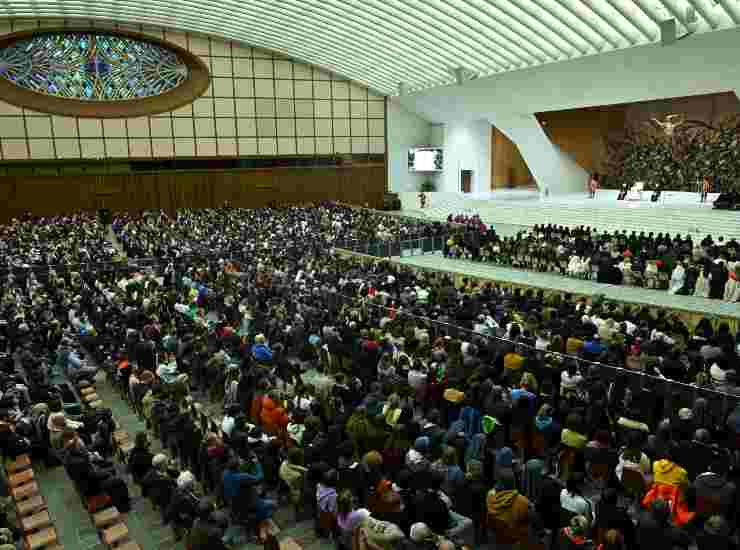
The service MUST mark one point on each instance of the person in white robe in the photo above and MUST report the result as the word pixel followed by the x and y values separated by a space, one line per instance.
pixel 678 279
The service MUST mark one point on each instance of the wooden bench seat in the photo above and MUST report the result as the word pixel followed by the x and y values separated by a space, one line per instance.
pixel 90 397
pixel 25 476
pixel 87 391
pixel 41 539
pixel 36 522
pixel 25 491
pixel 107 517
pixel 30 506
pixel 21 462
pixel 116 533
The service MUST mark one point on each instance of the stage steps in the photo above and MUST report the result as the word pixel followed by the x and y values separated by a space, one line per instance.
pixel 604 213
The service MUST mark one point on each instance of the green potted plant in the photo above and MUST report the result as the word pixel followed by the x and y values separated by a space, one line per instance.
pixel 428 186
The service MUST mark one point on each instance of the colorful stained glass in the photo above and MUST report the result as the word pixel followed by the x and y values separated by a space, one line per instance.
pixel 92 67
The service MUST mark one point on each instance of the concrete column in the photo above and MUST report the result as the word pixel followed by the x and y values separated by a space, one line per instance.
pixel 467 146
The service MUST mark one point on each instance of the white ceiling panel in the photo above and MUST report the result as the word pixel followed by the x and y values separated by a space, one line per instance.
pixel 417 43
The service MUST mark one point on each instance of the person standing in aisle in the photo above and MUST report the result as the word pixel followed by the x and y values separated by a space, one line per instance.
pixel 706 186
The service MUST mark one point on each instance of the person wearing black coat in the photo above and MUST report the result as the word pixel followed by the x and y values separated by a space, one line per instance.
pixel 140 458
pixel 719 274
pixel 208 529
pixel 157 485
pixel 654 529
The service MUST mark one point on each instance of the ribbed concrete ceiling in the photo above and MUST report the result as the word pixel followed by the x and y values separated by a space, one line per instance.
pixel 419 43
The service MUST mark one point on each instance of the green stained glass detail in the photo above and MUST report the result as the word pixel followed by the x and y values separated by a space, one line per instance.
pixel 92 67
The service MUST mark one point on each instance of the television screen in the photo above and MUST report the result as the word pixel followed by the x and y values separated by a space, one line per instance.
pixel 425 159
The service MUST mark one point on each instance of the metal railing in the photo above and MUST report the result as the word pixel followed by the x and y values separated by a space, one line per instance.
pixel 666 394
pixel 674 394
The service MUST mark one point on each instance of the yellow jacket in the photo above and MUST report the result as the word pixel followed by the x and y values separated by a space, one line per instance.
pixel 669 473
pixel 513 361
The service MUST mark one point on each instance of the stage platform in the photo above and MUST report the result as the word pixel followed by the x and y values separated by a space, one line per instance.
pixel 625 294
pixel 676 212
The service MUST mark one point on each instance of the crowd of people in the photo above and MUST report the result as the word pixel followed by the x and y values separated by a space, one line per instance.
pixel 470 221
pixel 75 239
pixel 709 268
pixel 395 408
pixel 225 231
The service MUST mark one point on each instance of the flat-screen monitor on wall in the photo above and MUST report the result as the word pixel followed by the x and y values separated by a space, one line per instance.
pixel 425 159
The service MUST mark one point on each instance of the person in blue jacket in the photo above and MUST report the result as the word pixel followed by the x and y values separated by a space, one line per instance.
pixel 260 350
pixel 241 493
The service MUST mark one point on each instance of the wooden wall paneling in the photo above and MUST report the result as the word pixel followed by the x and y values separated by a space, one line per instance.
pixel 49 195
pixel 509 167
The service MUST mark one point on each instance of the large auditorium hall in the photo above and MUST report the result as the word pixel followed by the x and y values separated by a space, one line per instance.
pixel 378 275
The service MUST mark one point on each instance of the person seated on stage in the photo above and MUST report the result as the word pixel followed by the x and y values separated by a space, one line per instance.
pixel 623 192
pixel 657 190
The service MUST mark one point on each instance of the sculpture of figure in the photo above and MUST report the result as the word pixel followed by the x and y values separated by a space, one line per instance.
pixel 422 199
pixel 670 123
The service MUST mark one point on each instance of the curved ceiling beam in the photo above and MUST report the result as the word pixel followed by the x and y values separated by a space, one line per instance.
pixel 525 56
pixel 608 21
pixel 534 49
pixel 562 21
pixel 702 11
pixel 588 24
pixel 671 9
pixel 641 5
pixel 447 54
pixel 472 47
pixel 478 62
pixel 649 36
pixel 730 11
pixel 535 22
pixel 329 29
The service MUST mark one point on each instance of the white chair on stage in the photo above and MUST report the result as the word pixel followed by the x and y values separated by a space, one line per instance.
pixel 635 192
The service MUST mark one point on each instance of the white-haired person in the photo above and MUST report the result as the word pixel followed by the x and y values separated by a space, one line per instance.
pixel 183 507
pixel 157 485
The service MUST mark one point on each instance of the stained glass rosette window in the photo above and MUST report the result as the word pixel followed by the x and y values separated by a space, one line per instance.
pixel 92 67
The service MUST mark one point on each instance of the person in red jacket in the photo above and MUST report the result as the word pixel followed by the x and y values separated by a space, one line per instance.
pixel 273 416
